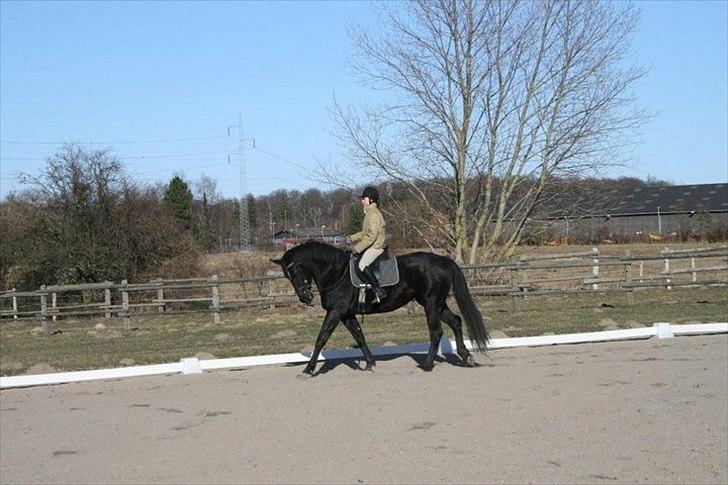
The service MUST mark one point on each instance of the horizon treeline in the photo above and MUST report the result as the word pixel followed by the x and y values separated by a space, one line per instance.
pixel 84 219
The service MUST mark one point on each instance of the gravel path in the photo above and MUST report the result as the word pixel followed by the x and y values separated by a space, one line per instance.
pixel 641 411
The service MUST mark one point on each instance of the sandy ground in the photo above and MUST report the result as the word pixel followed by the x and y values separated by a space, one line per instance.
pixel 642 411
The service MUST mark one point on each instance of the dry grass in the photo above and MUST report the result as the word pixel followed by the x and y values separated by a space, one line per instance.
pixel 255 264
pixel 237 265
pixel 79 344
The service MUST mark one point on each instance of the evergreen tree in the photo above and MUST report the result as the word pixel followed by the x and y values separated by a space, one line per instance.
pixel 178 200
pixel 252 212
pixel 206 236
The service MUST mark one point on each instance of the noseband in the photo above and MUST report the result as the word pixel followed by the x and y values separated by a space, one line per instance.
pixel 302 289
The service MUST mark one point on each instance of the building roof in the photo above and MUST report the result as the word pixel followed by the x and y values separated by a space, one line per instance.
pixel 672 199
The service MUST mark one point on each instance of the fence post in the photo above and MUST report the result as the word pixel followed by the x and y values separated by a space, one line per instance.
pixel 667 274
pixel 125 304
pixel 15 305
pixel 628 275
pixel 160 299
pixel 692 266
pixel 107 300
pixel 54 306
pixel 44 309
pixel 215 299
pixel 271 295
pixel 595 268
pixel 516 286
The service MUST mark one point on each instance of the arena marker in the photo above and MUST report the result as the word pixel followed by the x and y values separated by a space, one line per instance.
pixel 445 346
pixel 191 365
pixel 664 330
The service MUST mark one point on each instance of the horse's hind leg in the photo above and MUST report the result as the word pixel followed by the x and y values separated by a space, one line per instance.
pixel 352 324
pixel 435 326
pixel 455 323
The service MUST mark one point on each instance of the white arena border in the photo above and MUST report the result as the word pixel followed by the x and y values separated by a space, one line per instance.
pixel 194 366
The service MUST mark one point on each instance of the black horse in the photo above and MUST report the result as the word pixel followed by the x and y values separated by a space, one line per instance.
pixel 424 277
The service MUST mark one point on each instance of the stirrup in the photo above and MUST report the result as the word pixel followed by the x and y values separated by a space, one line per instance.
pixel 361 301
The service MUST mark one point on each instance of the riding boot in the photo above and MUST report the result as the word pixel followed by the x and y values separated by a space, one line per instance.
pixel 379 292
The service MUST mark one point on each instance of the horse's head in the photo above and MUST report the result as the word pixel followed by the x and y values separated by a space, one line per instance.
pixel 301 262
pixel 299 277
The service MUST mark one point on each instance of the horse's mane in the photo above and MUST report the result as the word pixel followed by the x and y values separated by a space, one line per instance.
pixel 317 250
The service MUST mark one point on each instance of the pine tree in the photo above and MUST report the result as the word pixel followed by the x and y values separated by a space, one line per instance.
pixel 178 199
pixel 206 237
pixel 252 212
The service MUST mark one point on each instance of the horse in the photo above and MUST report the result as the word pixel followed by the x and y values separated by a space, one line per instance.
pixel 424 277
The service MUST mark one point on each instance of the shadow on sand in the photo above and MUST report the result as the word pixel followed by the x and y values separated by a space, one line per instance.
pixel 357 363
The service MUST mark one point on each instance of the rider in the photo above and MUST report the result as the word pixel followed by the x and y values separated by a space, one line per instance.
pixel 370 240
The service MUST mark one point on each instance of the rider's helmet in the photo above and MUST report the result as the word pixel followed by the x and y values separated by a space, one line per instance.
pixel 370 192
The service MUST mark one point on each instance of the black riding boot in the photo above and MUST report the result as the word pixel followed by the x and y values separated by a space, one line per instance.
pixel 379 292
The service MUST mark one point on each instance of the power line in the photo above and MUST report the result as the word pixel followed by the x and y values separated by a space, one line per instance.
pixel 16 175
pixel 139 157
pixel 178 155
pixel 123 115
pixel 168 169
pixel 280 158
pixel 111 142
pixel 26 159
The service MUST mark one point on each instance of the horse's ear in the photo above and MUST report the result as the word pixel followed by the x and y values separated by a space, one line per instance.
pixel 276 261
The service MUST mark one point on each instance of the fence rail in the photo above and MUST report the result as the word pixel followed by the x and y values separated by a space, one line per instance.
pixel 517 279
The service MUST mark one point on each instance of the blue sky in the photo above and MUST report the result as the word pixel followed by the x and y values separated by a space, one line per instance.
pixel 175 75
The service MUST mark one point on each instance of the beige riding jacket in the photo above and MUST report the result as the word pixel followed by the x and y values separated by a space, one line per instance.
pixel 372 232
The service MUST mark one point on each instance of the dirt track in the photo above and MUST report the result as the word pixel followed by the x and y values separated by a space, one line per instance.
pixel 645 411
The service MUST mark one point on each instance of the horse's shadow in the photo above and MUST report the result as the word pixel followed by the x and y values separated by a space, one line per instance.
pixel 357 363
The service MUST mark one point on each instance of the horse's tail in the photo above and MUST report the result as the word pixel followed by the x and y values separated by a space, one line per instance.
pixel 473 320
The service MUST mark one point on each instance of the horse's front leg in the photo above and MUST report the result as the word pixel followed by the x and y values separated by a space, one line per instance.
pixel 327 328
pixel 435 326
pixel 352 324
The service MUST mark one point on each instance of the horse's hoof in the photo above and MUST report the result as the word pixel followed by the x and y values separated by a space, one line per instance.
pixel 306 374
pixel 469 361
pixel 427 367
pixel 370 366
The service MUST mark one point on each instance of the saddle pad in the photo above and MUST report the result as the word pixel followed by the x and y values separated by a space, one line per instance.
pixel 387 272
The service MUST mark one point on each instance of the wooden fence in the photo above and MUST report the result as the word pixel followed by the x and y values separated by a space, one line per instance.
pixel 562 274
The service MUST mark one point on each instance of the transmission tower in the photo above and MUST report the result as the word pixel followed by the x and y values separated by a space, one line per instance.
pixel 244 219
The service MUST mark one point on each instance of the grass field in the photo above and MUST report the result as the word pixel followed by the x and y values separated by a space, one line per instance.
pixel 97 343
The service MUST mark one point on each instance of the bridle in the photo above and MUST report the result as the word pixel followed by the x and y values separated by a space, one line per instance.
pixel 301 289
pixel 306 286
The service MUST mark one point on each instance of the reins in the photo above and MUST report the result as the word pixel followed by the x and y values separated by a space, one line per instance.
pixel 337 281
pixel 346 271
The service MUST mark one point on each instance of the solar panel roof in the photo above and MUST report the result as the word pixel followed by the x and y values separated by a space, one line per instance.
pixel 635 201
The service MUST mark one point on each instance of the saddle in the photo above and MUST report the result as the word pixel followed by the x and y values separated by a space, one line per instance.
pixel 385 269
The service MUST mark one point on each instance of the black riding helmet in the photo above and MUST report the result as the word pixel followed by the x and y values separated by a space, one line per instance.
pixel 370 192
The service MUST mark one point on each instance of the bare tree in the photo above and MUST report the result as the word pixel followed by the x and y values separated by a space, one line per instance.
pixel 484 103
pixel 206 188
pixel 81 219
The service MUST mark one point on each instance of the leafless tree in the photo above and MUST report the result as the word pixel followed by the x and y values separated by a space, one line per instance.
pixel 81 219
pixel 206 188
pixel 483 104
